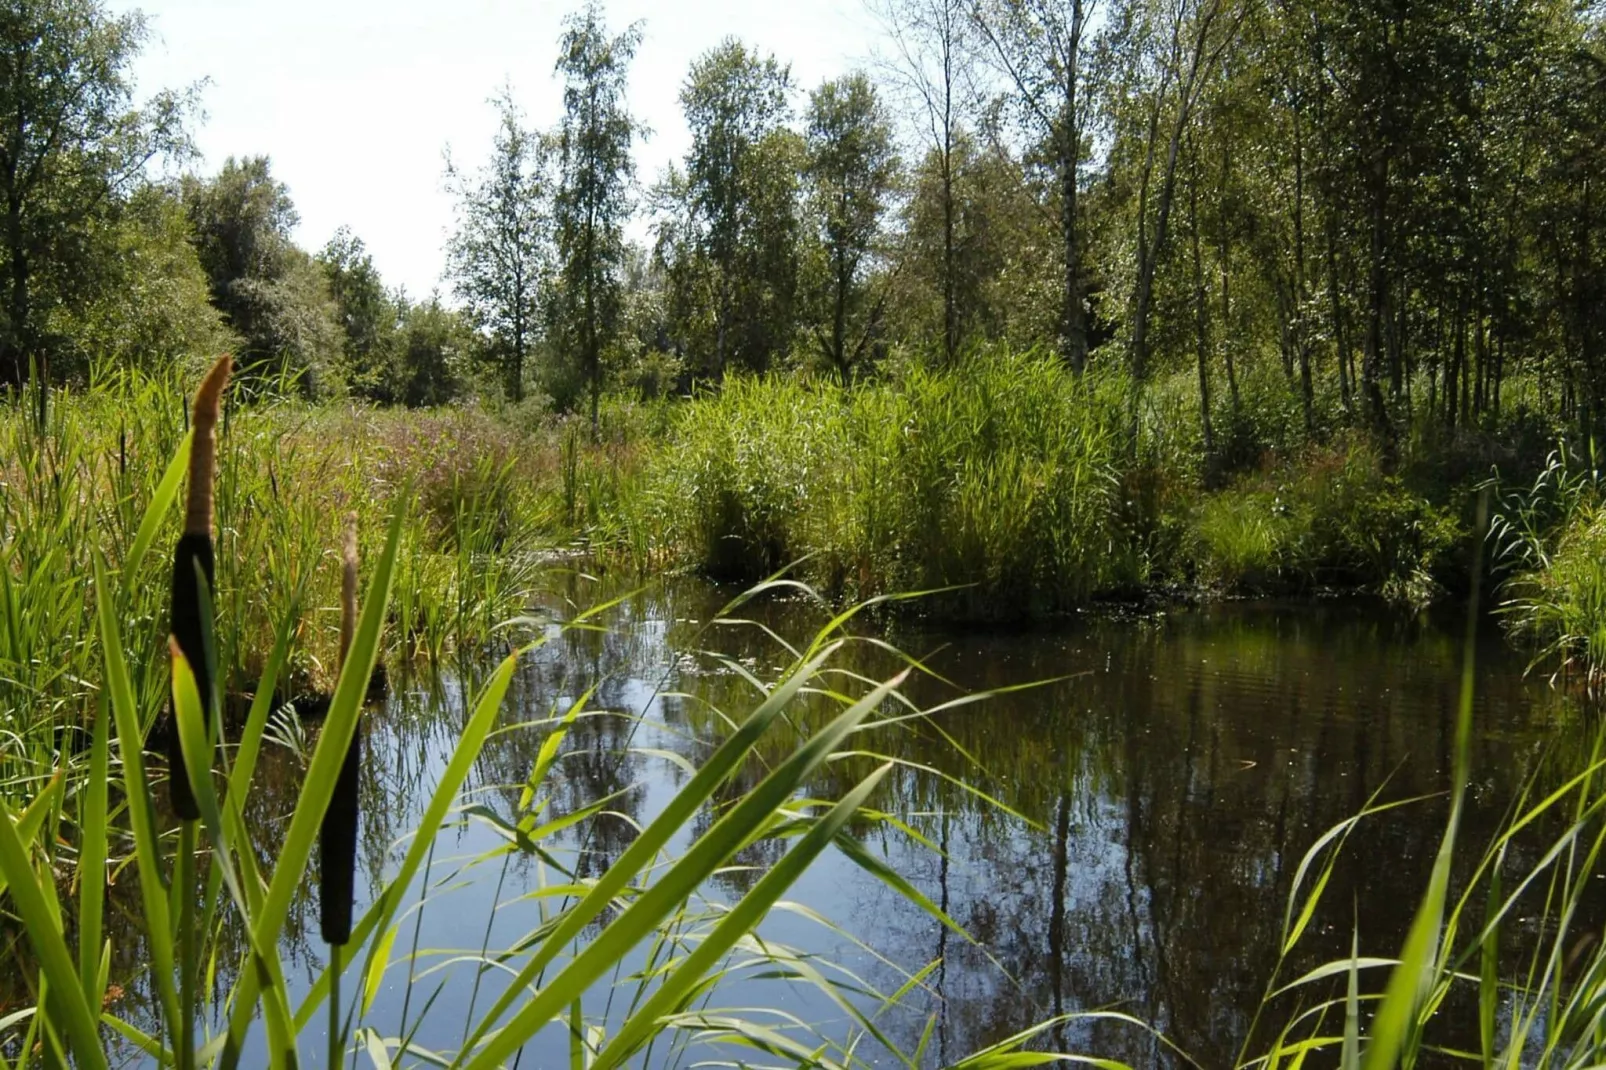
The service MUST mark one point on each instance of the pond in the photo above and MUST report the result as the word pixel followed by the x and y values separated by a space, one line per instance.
pixel 1125 837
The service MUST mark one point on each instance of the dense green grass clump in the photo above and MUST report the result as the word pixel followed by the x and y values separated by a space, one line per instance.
pixel 1329 517
pixel 1020 482
pixel 1002 477
pixel 1550 546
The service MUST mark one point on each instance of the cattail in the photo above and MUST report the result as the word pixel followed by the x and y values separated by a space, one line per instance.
pixel 337 840
pixel 192 560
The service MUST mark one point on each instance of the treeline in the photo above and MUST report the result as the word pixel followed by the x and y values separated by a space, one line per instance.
pixel 1385 213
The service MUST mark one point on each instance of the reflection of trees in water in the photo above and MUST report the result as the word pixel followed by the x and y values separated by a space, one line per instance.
pixel 1174 784
pixel 1176 789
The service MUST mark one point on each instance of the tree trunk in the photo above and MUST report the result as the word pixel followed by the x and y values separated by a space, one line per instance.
pixel 1224 255
pixel 1301 335
pixel 1378 316
pixel 1200 325
pixel 15 352
pixel 1075 316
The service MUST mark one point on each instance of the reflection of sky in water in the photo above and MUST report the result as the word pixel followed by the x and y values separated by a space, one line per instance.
pixel 1174 780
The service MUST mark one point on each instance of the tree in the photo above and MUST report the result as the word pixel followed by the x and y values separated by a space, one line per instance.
pixel 367 314
pixel 500 257
pixel 71 146
pixel 593 194
pixel 151 305
pixel 271 293
pixel 975 259
pixel 1040 47
pixel 932 65
pixel 1175 47
pixel 852 171
pixel 435 347
pixel 740 187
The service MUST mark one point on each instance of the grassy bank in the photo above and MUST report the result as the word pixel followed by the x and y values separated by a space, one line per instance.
pixel 1021 484
pixel 1008 484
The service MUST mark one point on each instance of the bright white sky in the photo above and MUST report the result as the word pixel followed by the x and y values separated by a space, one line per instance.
pixel 355 100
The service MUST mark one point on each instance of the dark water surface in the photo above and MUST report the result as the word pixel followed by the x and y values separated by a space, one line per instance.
pixel 1164 791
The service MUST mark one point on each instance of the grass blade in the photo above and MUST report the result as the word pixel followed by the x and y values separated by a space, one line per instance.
pixel 66 1003
pixel 658 899
pixel 744 916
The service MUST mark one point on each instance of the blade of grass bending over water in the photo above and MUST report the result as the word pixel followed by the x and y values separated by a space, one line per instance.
pixel 658 832
pixel 1395 1025
pixel 682 984
pixel 658 899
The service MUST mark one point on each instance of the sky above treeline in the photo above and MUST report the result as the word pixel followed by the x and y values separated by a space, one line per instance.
pixel 356 101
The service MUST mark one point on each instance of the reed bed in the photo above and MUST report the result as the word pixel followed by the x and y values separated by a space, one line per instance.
pixel 1001 479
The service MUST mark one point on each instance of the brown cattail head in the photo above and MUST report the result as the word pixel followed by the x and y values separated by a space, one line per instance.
pixel 203 447
pixel 348 587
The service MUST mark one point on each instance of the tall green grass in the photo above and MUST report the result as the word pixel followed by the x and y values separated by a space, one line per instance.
pixel 468 559
pixel 1000 479
pixel 1503 966
pixel 1329 517
pixel 1549 542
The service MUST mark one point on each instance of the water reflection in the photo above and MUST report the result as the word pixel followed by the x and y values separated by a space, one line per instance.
pixel 1124 837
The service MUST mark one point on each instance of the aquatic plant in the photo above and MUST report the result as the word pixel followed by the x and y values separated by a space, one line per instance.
pixel 1527 891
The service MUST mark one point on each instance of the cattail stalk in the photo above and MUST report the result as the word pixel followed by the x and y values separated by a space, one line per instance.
pixel 337 840
pixel 193 562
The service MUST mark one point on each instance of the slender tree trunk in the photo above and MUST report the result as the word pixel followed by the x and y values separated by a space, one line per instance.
pixel 839 319
pixel 1075 315
pixel 1301 335
pixel 1378 316
pixel 1200 324
pixel 1480 338
pixel 950 325
pixel 14 354
pixel 1188 83
pixel 1224 256
pixel 1453 371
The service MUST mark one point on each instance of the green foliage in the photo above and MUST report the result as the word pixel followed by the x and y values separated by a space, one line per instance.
pixel 1328 517
pixel 852 169
pixel 972 234
pixel 368 318
pixel 1000 475
pixel 592 200
pixel 436 354
pixel 74 148
pixel 1548 539
pixel 271 293
pixel 155 310
pixel 731 226
pixel 499 258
